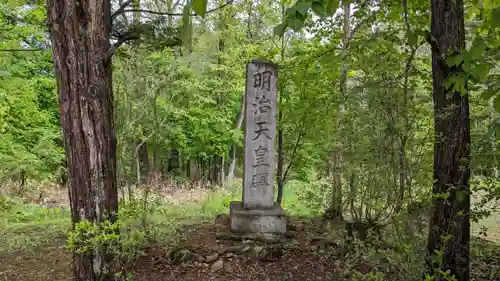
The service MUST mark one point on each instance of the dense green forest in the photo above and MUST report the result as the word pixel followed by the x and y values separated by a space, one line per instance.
pixel 361 134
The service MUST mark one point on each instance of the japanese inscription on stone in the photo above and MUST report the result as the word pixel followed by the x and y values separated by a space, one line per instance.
pixel 260 133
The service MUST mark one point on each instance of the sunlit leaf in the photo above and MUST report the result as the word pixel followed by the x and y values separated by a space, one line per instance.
pixel 478 47
pixel 412 38
pixel 481 71
pixel 331 7
pixel 295 23
pixel 496 103
pixel 303 7
pixel 200 7
pixel 318 7
pixel 280 29
pixel 490 92
pixel 186 27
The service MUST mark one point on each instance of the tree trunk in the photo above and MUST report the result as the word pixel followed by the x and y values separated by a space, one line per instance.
pixel 80 41
pixel 234 158
pixel 451 146
pixel 335 210
pixel 281 157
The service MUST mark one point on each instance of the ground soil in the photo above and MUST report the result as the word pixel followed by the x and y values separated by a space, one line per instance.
pixel 301 262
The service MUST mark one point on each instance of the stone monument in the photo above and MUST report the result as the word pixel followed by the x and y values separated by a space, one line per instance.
pixel 257 212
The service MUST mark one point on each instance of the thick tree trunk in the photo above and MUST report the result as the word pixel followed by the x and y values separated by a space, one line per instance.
pixel 80 39
pixel 452 146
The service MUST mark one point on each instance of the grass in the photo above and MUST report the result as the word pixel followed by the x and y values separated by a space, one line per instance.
pixel 27 227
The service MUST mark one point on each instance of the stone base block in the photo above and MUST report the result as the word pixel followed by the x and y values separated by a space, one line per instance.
pixel 256 220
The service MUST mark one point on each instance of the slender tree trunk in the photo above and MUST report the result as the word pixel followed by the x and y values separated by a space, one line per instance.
pixel 80 41
pixel 281 157
pixel 234 158
pixel 450 216
pixel 338 156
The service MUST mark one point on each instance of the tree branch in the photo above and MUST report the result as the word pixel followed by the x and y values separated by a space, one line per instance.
pixel 121 9
pixel 297 144
pixel 433 42
pixel 129 36
pixel 117 13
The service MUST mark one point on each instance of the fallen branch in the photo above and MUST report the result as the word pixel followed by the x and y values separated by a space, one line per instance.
pixel 22 50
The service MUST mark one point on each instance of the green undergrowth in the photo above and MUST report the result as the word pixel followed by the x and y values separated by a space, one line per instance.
pixel 28 226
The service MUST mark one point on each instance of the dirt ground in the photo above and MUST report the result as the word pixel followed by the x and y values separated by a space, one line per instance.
pixel 305 254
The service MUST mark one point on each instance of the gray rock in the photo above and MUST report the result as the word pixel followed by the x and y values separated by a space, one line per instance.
pixel 245 249
pixel 257 249
pixel 228 255
pixel 314 248
pixel 211 258
pixel 192 257
pixel 233 249
pixel 219 264
pixel 221 250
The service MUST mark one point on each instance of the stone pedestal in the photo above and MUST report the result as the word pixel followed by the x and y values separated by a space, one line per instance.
pixel 242 220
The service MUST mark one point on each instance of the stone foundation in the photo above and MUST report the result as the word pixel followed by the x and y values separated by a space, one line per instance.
pixel 256 221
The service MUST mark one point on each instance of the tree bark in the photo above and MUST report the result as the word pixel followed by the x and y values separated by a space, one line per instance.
pixel 80 41
pixel 281 157
pixel 234 158
pixel 450 216
pixel 337 161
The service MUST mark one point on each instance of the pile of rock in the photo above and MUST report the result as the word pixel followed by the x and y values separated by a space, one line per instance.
pixel 215 258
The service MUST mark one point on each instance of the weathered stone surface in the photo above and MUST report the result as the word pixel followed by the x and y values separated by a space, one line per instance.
pixel 271 253
pixel 191 257
pixel 245 249
pixel 260 134
pixel 221 219
pixel 211 258
pixel 257 220
pixel 219 264
pixel 221 250
pixel 258 249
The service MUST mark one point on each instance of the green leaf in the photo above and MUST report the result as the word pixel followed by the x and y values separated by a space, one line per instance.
pixel 318 7
pixel 478 47
pixel 456 83
pixel 490 92
pixel 331 7
pixel 303 7
pixel 291 11
pixel 481 71
pixel 495 18
pixel 496 103
pixel 454 60
pixel 280 29
pixel 295 23
pixel 467 66
pixel 186 27
pixel 200 7
pixel 461 195
pixel 412 38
